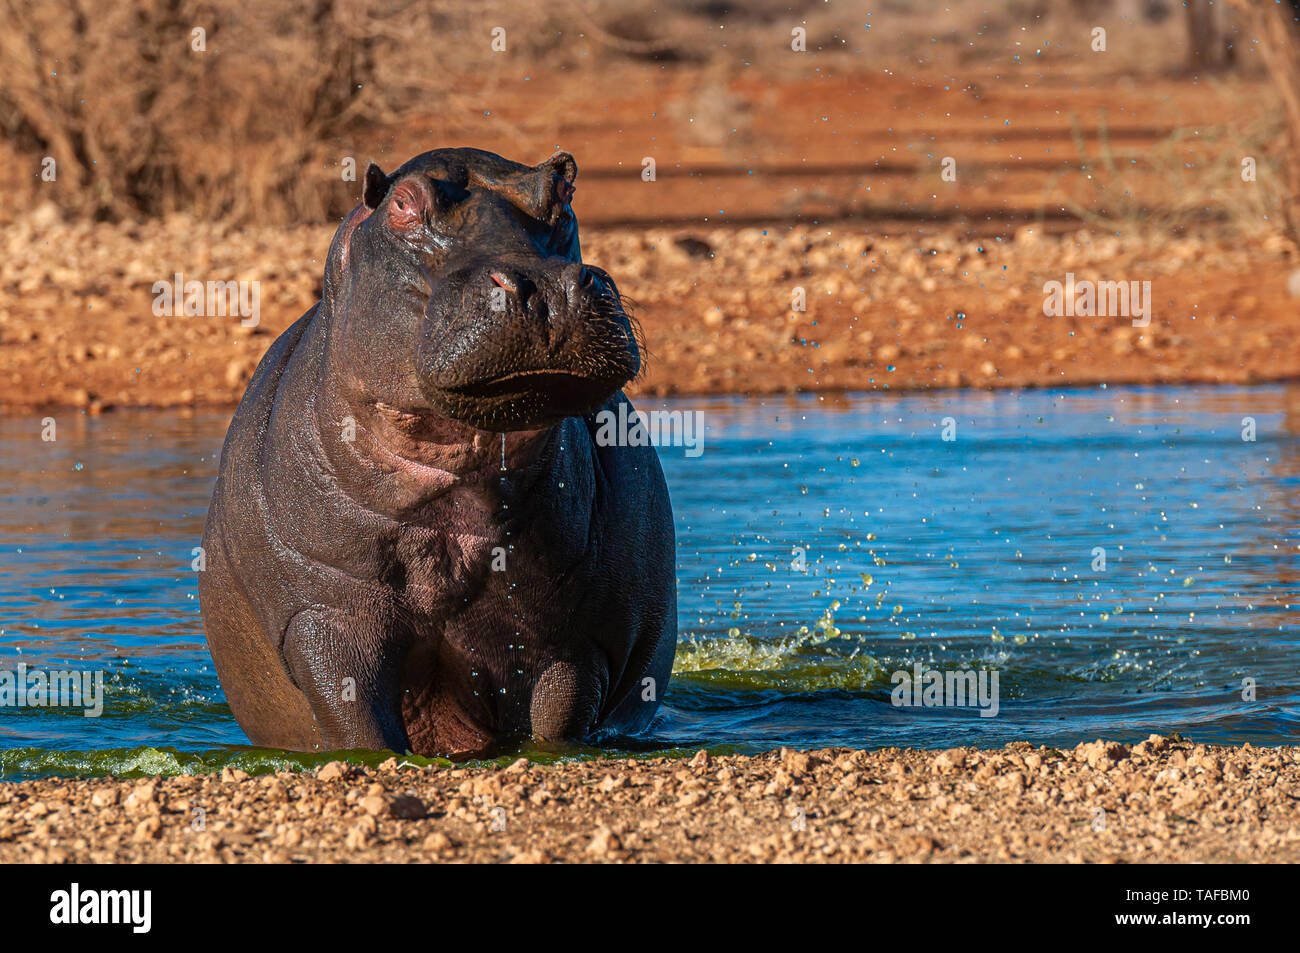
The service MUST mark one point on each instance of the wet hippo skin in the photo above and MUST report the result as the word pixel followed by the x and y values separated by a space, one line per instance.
pixel 415 541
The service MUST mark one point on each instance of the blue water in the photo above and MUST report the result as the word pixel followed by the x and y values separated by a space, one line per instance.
pixel 824 543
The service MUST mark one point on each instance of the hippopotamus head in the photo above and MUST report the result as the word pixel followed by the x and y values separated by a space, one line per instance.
pixel 458 290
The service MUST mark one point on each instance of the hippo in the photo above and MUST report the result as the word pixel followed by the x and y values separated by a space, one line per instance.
pixel 416 541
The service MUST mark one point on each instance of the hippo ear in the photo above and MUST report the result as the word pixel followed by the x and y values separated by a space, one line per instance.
pixel 377 184
pixel 564 165
pixel 565 170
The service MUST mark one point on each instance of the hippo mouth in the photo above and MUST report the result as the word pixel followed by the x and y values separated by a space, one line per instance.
pixel 543 378
pixel 525 399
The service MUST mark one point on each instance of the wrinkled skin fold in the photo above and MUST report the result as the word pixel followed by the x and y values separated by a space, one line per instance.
pixel 415 541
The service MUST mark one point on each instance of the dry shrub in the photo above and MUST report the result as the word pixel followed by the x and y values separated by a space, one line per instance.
pixel 252 128
pixel 1187 181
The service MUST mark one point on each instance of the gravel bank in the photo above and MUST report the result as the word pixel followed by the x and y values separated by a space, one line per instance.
pixel 78 326
pixel 1160 801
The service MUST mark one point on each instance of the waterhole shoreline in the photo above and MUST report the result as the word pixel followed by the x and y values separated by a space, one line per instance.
pixel 1160 801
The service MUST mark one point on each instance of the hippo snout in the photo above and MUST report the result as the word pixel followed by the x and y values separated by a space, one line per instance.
pixel 519 346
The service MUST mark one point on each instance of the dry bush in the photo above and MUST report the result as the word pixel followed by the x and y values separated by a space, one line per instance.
pixel 250 129
pixel 253 129
pixel 140 122
pixel 1187 181
pixel 1277 27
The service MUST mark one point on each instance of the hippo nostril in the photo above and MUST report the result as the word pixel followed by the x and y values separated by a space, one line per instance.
pixel 523 289
pixel 577 279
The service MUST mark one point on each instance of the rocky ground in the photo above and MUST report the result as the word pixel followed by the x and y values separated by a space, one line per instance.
pixel 909 281
pixel 1161 801
pixel 78 329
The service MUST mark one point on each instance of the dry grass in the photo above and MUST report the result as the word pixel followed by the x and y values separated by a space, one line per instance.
pixel 256 128
pixel 251 127
pixel 1191 180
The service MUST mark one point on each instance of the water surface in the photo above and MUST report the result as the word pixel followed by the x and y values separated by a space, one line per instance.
pixel 824 543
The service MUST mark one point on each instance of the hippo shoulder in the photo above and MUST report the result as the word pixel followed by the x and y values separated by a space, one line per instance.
pixel 633 476
pixel 266 378
pixel 239 453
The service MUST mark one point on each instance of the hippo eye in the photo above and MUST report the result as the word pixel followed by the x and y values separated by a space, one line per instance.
pixel 408 205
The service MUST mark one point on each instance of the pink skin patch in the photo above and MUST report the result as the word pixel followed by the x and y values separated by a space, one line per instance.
pixel 355 218
pixel 443 453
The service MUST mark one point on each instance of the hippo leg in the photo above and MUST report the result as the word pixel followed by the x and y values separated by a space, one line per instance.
pixel 566 697
pixel 647 673
pixel 268 705
pixel 352 692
